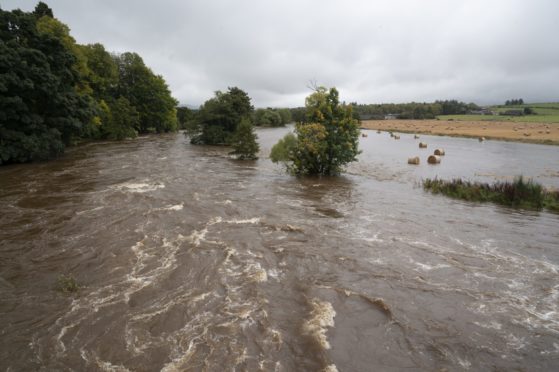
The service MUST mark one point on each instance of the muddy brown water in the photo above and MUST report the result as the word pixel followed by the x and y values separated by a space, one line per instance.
pixel 191 261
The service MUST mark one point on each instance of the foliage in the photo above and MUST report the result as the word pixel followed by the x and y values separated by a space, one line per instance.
pixel 121 120
pixel 244 141
pixel 184 115
pixel 218 117
pixel 518 193
pixel 284 150
pixel 41 110
pixel 147 92
pixel 514 102
pixel 267 118
pixel 67 284
pixel 327 140
pixel 413 110
pixel 271 117
pixel 54 91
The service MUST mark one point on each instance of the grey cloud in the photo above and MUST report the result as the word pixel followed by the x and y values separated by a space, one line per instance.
pixel 373 51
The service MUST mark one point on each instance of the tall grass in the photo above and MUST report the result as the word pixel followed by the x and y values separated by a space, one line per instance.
pixel 519 193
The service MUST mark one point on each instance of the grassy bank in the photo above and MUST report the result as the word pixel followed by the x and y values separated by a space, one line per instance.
pixel 519 193
pixel 542 113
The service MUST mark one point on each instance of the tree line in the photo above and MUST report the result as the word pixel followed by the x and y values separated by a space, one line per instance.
pixel 55 92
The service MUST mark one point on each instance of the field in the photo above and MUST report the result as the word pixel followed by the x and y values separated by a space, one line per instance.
pixel 509 130
pixel 545 113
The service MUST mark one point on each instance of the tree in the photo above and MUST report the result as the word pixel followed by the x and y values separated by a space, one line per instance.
pixel 122 119
pixel 219 117
pixel 147 92
pixel 328 139
pixel 284 150
pixel 244 141
pixel 267 117
pixel 285 116
pixel 40 109
pixel 184 115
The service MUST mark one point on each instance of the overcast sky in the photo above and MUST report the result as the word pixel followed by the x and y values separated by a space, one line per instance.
pixel 485 51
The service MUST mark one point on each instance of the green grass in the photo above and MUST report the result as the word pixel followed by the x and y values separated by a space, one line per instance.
pixel 545 113
pixel 519 193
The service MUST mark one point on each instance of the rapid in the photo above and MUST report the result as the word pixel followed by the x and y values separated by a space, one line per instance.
pixel 188 260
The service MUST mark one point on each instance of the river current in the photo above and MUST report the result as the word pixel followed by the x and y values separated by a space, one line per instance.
pixel 188 260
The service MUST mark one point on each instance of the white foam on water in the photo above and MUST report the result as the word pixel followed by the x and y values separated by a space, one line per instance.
pixel 255 272
pixel 89 210
pixel 464 363
pixel 330 368
pixel 491 325
pixel 514 342
pixel 252 221
pixel 177 207
pixel 140 187
pixel 321 317
pixel 426 267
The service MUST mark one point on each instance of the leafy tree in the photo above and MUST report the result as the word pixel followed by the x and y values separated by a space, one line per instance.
pixel 284 150
pixel 184 115
pixel 219 117
pixel 43 9
pixel 121 120
pixel 102 74
pixel 147 92
pixel 267 117
pixel 244 141
pixel 285 116
pixel 328 139
pixel 40 108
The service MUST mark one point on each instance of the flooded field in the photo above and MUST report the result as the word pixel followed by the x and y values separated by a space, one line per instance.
pixel 191 261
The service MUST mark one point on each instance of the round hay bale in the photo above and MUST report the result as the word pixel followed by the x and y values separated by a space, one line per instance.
pixel 422 145
pixel 396 137
pixel 439 152
pixel 414 160
pixel 378 131
pixel 391 134
pixel 415 136
pixel 434 159
pixel 364 135
pixel 481 139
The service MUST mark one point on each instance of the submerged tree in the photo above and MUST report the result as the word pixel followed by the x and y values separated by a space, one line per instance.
pixel 326 141
pixel 244 141
pixel 219 117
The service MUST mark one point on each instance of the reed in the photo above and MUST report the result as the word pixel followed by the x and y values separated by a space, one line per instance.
pixel 520 193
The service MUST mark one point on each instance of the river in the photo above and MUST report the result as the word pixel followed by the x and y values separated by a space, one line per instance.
pixel 191 261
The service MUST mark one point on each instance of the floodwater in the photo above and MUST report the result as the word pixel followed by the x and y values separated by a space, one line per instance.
pixel 191 261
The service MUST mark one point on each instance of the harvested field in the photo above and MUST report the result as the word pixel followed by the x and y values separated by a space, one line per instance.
pixel 547 133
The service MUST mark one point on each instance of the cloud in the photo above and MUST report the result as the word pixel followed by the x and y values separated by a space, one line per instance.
pixel 373 51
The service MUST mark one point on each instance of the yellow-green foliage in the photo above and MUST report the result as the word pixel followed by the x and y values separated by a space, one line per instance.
pixel 326 141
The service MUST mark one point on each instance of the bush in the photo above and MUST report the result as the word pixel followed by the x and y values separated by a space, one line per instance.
pixel 244 141
pixel 326 141
pixel 67 284
pixel 518 193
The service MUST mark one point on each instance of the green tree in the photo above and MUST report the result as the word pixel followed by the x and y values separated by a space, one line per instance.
pixel 285 115
pixel 219 117
pixel 121 120
pixel 184 115
pixel 328 139
pixel 267 118
pixel 284 150
pixel 244 141
pixel 147 92
pixel 40 109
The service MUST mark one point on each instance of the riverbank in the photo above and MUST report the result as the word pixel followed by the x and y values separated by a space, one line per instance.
pixel 540 133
